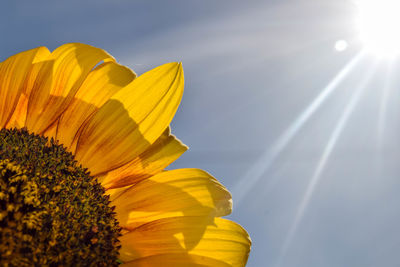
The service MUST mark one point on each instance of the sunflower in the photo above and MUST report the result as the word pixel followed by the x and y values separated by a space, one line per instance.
pixel 84 144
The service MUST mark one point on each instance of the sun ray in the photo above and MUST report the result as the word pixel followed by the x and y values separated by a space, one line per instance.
pixel 254 174
pixel 322 163
pixel 383 104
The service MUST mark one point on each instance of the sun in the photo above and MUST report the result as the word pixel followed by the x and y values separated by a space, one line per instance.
pixel 378 22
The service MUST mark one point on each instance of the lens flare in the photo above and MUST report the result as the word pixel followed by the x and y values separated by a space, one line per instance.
pixel 341 45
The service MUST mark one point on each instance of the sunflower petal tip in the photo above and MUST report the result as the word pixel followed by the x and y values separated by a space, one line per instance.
pixel 183 145
pixel 177 65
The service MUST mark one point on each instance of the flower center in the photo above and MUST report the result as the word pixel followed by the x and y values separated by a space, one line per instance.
pixel 52 212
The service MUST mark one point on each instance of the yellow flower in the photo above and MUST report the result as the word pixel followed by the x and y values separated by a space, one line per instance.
pixel 83 148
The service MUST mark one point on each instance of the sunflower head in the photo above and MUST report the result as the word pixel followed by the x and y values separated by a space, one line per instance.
pixel 52 210
pixel 84 144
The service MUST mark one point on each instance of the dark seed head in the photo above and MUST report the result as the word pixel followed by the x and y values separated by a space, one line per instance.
pixel 52 212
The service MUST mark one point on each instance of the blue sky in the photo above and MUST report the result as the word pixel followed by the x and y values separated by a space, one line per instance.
pixel 305 137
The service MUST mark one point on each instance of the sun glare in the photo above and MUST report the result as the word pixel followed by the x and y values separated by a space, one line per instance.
pixel 379 22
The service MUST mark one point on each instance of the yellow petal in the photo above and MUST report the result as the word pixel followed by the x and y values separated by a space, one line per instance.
pixel 182 192
pixel 156 158
pixel 97 88
pixel 18 118
pixel 221 239
pixel 116 192
pixel 51 131
pixel 14 73
pixel 57 82
pixel 133 119
pixel 176 260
